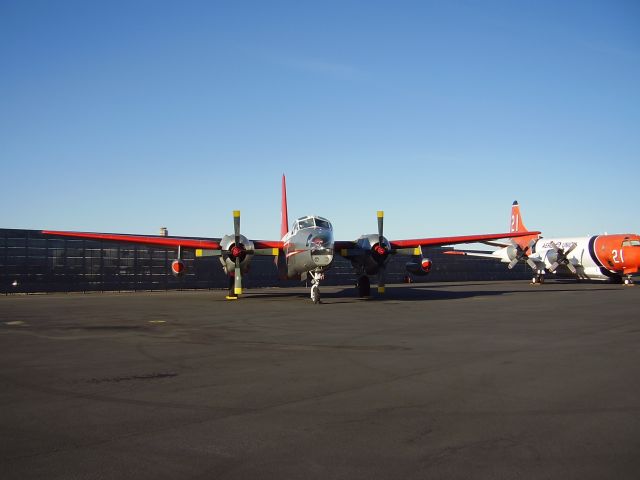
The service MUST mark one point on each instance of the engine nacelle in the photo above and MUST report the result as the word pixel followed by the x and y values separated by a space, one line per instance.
pixel 177 268
pixel 512 252
pixel 378 254
pixel 231 251
pixel 421 268
pixel 550 258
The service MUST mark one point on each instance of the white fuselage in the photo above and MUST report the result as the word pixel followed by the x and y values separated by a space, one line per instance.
pixel 582 257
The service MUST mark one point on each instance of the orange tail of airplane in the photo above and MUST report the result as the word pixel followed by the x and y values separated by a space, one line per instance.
pixel 517 226
pixel 516 219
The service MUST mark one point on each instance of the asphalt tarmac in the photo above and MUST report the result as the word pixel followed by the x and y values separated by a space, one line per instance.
pixel 497 380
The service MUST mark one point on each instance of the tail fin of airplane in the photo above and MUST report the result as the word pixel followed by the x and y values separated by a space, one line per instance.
pixel 284 226
pixel 516 219
pixel 517 226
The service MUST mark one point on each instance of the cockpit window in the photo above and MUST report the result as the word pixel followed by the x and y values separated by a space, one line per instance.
pixel 305 222
pixel 631 243
pixel 322 223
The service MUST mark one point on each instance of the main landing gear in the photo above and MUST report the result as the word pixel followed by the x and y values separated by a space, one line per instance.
pixel 232 294
pixel 628 282
pixel 315 286
pixel 364 286
pixel 538 279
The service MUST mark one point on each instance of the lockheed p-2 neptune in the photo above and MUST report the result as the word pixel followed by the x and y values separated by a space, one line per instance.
pixel 307 250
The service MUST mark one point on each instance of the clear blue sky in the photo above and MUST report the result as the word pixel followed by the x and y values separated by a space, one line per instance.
pixel 124 116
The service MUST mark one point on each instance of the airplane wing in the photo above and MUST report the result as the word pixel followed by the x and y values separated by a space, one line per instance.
pixel 470 253
pixel 440 241
pixel 496 244
pixel 159 241
pixel 349 249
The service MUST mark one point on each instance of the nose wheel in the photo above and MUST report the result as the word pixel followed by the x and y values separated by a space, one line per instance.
pixel 315 286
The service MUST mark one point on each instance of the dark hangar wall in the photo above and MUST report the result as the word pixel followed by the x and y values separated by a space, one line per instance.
pixel 31 262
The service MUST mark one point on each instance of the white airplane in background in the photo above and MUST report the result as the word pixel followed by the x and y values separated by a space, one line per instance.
pixel 601 257
pixel 308 249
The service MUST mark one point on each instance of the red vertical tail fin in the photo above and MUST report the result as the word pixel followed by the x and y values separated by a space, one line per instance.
pixel 516 219
pixel 284 225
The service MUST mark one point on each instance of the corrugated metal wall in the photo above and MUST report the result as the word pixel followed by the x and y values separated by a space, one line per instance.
pixel 31 262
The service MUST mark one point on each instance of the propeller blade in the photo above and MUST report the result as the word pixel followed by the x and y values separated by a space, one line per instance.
pixel 237 284
pixel 571 248
pixel 380 226
pixel 572 268
pixel 532 264
pixel 554 267
pixel 236 225
pixel 513 263
pixel 554 246
pixel 237 281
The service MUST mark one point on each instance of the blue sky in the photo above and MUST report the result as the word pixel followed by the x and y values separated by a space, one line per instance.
pixel 124 116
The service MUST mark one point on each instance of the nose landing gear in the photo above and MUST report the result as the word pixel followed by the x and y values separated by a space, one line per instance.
pixel 315 286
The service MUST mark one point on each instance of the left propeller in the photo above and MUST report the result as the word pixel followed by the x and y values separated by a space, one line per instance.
pixel 236 252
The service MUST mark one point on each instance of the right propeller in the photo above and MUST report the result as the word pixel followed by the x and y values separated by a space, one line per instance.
pixel 381 251
pixel 237 286
pixel 561 257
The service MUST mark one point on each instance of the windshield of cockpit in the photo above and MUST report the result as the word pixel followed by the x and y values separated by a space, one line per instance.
pixel 631 243
pixel 306 222
pixel 322 223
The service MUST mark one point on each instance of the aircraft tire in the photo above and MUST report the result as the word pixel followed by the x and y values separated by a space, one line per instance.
pixel 364 286
pixel 315 293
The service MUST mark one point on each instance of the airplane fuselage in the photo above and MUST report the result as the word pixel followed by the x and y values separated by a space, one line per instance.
pixel 599 257
pixel 308 247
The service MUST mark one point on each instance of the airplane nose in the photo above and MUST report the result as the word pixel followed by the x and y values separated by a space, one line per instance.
pixel 318 241
pixel 321 245
pixel 321 241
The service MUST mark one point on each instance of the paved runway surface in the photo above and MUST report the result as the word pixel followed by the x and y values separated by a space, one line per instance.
pixel 468 380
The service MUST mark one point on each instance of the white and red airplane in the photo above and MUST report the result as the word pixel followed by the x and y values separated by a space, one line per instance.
pixel 601 257
pixel 305 250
